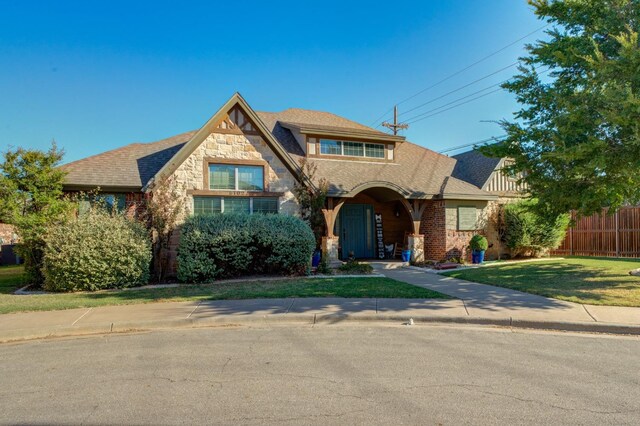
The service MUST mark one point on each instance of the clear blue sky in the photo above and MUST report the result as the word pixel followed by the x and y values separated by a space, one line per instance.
pixel 99 75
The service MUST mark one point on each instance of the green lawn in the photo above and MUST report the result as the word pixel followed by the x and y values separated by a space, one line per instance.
pixel 10 280
pixel 589 280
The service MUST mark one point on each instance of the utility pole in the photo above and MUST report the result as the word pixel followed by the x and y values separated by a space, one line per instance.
pixel 395 126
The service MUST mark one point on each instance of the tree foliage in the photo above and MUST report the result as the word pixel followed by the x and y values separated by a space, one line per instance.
pixel 530 233
pixel 576 139
pixel 31 198
pixel 311 197
pixel 163 209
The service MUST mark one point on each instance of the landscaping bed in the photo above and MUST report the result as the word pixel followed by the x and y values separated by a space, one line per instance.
pixel 373 287
pixel 588 280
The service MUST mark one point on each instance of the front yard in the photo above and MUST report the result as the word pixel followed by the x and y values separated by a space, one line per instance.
pixel 588 280
pixel 11 279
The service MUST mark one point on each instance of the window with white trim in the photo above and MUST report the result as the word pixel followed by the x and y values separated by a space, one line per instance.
pixel 351 148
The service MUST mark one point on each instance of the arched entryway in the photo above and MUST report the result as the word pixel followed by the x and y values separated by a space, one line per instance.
pixel 370 219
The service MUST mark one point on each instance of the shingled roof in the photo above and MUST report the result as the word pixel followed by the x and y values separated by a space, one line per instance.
pixel 416 172
pixel 474 167
pixel 129 167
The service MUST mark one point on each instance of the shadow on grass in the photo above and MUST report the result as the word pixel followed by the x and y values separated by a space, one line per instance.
pixel 584 280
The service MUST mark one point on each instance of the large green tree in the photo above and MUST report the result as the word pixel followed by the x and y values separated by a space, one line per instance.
pixel 576 138
pixel 31 198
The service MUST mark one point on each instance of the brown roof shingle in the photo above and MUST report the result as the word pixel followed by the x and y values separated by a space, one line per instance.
pixel 129 167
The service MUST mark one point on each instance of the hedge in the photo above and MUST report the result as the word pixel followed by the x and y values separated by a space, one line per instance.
pixel 230 245
pixel 95 251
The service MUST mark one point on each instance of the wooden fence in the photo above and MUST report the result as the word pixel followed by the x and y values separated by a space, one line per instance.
pixel 615 235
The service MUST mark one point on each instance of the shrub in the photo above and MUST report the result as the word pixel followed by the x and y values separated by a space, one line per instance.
pixel 528 232
pixel 229 245
pixel 355 267
pixel 478 243
pixel 97 250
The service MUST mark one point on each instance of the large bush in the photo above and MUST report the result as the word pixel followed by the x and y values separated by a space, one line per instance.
pixel 229 245
pixel 97 250
pixel 529 233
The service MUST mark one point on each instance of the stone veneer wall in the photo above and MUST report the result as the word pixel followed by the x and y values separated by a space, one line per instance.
pixel 241 147
pixel 232 146
pixel 7 233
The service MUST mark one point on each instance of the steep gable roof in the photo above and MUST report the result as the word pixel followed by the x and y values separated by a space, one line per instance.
pixel 208 128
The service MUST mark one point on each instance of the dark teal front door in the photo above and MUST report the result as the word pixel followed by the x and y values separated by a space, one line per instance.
pixel 355 229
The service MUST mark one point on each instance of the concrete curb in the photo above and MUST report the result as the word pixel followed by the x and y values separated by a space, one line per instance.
pixel 309 319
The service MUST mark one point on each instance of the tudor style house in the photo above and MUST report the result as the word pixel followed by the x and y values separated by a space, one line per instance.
pixel 383 189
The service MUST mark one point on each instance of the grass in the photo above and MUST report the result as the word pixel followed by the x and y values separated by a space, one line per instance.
pixel 588 280
pixel 375 287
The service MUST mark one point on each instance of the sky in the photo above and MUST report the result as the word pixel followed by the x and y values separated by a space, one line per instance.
pixel 95 76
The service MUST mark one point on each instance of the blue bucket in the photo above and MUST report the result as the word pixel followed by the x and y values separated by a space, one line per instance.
pixel 406 255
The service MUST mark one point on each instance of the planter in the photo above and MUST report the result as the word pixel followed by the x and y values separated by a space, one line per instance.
pixel 406 255
pixel 315 259
pixel 477 256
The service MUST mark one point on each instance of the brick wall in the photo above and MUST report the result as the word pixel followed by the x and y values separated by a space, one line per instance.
pixel 433 226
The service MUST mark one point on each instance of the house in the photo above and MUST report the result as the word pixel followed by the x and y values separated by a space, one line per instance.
pixel 383 189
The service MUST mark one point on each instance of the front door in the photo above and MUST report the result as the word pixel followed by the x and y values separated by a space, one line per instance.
pixel 355 229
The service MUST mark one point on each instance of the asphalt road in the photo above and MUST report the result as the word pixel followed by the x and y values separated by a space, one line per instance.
pixel 338 374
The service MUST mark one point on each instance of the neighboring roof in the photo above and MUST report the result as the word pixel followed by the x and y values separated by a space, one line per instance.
pixel 474 167
pixel 129 167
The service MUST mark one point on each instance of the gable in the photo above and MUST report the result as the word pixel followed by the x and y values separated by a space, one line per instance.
pixel 235 117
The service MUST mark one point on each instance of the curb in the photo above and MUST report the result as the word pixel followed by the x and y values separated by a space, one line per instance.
pixel 309 319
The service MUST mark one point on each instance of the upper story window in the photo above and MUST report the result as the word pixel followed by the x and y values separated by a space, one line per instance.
pixel 236 177
pixel 351 149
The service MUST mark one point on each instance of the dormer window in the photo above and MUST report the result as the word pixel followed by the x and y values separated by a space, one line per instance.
pixel 351 148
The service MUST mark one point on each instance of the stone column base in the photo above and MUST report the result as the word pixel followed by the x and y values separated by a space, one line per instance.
pixel 416 245
pixel 330 250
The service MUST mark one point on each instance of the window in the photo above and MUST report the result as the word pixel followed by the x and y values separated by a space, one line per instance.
pixel 374 150
pixel 351 149
pixel 467 218
pixel 236 178
pixel 249 205
pixel 117 202
pixel 330 147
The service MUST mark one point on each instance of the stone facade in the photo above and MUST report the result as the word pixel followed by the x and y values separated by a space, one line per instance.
pixel 238 147
pixel 7 234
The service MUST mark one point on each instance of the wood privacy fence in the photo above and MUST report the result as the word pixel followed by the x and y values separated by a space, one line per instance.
pixel 615 235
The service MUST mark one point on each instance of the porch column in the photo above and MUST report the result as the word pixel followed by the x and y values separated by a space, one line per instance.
pixel 330 242
pixel 415 241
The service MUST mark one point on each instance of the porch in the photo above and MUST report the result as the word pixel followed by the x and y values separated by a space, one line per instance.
pixel 371 223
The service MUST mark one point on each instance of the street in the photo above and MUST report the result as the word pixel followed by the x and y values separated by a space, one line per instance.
pixel 330 374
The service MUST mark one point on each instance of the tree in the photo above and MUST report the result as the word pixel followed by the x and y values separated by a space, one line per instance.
pixel 311 198
pixel 576 139
pixel 163 209
pixel 31 198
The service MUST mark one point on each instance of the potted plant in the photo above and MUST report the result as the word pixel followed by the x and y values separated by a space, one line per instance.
pixel 478 245
pixel 315 259
pixel 406 254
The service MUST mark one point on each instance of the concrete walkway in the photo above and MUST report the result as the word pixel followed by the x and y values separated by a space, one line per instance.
pixel 473 304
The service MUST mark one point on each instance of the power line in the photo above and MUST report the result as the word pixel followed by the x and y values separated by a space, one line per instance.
pixel 460 88
pixel 461 71
pixel 428 114
pixel 492 138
